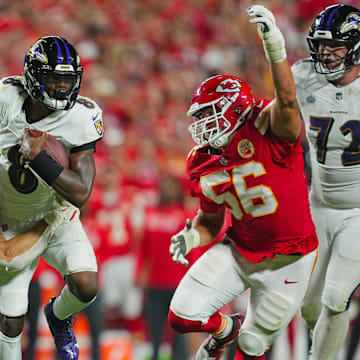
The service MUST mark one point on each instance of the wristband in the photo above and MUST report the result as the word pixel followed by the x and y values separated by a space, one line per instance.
pixel 192 239
pixel 274 46
pixel 195 238
pixel 46 167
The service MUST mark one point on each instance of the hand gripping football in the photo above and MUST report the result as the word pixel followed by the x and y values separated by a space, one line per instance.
pixel 53 148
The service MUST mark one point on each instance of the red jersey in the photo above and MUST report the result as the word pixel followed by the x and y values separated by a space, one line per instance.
pixel 161 223
pixel 260 178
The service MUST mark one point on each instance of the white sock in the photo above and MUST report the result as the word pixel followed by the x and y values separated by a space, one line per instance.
pixel 10 347
pixel 329 335
pixel 67 304
pixel 225 327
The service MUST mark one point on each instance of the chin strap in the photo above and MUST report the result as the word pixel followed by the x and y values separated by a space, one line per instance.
pixel 331 76
pixel 222 140
pixel 54 103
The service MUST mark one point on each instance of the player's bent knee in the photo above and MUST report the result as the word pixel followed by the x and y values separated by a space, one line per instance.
pixel 310 316
pixel 12 326
pixel 84 285
pixel 310 310
pixel 251 344
pixel 187 305
pixel 335 300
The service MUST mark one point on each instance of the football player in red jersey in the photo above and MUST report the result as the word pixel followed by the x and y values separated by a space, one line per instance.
pixel 248 159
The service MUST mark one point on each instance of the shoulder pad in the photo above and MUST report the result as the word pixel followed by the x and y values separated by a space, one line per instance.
pixel 11 86
pixel 262 113
pixel 90 110
pixel 12 80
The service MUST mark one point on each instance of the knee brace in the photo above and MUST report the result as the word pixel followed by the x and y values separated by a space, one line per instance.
pixel 335 299
pixel 272 311
pixel 251 343
pixel 272 314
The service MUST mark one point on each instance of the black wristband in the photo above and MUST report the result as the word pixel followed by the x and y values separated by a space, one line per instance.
pixel 46 167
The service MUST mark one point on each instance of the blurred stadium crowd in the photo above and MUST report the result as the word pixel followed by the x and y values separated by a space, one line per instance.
pixel 142 60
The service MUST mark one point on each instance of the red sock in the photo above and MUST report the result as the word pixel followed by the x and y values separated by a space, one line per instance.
pixel 241 356
pixel 183 326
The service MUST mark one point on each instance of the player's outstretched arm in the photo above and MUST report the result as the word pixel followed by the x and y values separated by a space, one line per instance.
pixel 285 114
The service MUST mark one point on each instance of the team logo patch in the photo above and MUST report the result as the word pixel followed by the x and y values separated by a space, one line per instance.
pixel 99 126
pixel 352 22
pixel 245 148
pixel 37 52
pixel 229 85
pixel 311 99
pixel 339 96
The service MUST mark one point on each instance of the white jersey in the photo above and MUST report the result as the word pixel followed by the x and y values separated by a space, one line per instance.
pixel 23 197
pixel 332 122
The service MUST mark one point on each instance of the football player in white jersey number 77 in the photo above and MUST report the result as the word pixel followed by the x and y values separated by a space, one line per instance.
pixel 328 92
pixel 33 185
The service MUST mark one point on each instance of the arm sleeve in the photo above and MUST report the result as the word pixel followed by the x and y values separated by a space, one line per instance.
pixel 88 146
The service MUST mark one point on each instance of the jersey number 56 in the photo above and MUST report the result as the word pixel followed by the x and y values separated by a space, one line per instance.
pixel 257 200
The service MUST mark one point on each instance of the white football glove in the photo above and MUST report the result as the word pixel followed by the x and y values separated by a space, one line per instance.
pixel 273 40
pixel 183 242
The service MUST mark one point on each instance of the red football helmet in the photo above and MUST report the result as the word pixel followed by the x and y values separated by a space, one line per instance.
pixel 230 100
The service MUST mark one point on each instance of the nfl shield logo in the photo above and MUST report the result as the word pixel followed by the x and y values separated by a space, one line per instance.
pixel 338 96
pixel 311 99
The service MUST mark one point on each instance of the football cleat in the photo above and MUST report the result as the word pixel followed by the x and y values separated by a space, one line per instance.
pixel 62 332
pixel 213 348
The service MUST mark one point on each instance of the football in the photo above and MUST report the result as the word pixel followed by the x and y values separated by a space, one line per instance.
pixel 53 148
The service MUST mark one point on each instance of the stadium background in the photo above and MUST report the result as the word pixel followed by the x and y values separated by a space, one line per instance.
pixel 142 60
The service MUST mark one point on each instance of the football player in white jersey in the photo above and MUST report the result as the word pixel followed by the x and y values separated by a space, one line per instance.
pixel 32 183
pixel 328 92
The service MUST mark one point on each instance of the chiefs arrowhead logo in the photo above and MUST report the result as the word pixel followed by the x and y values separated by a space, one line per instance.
pixel 229 85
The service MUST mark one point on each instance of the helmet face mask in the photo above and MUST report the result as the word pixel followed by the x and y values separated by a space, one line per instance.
pixel 338 25
pixel 219 106
pixel 53 73
pixel 209 129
